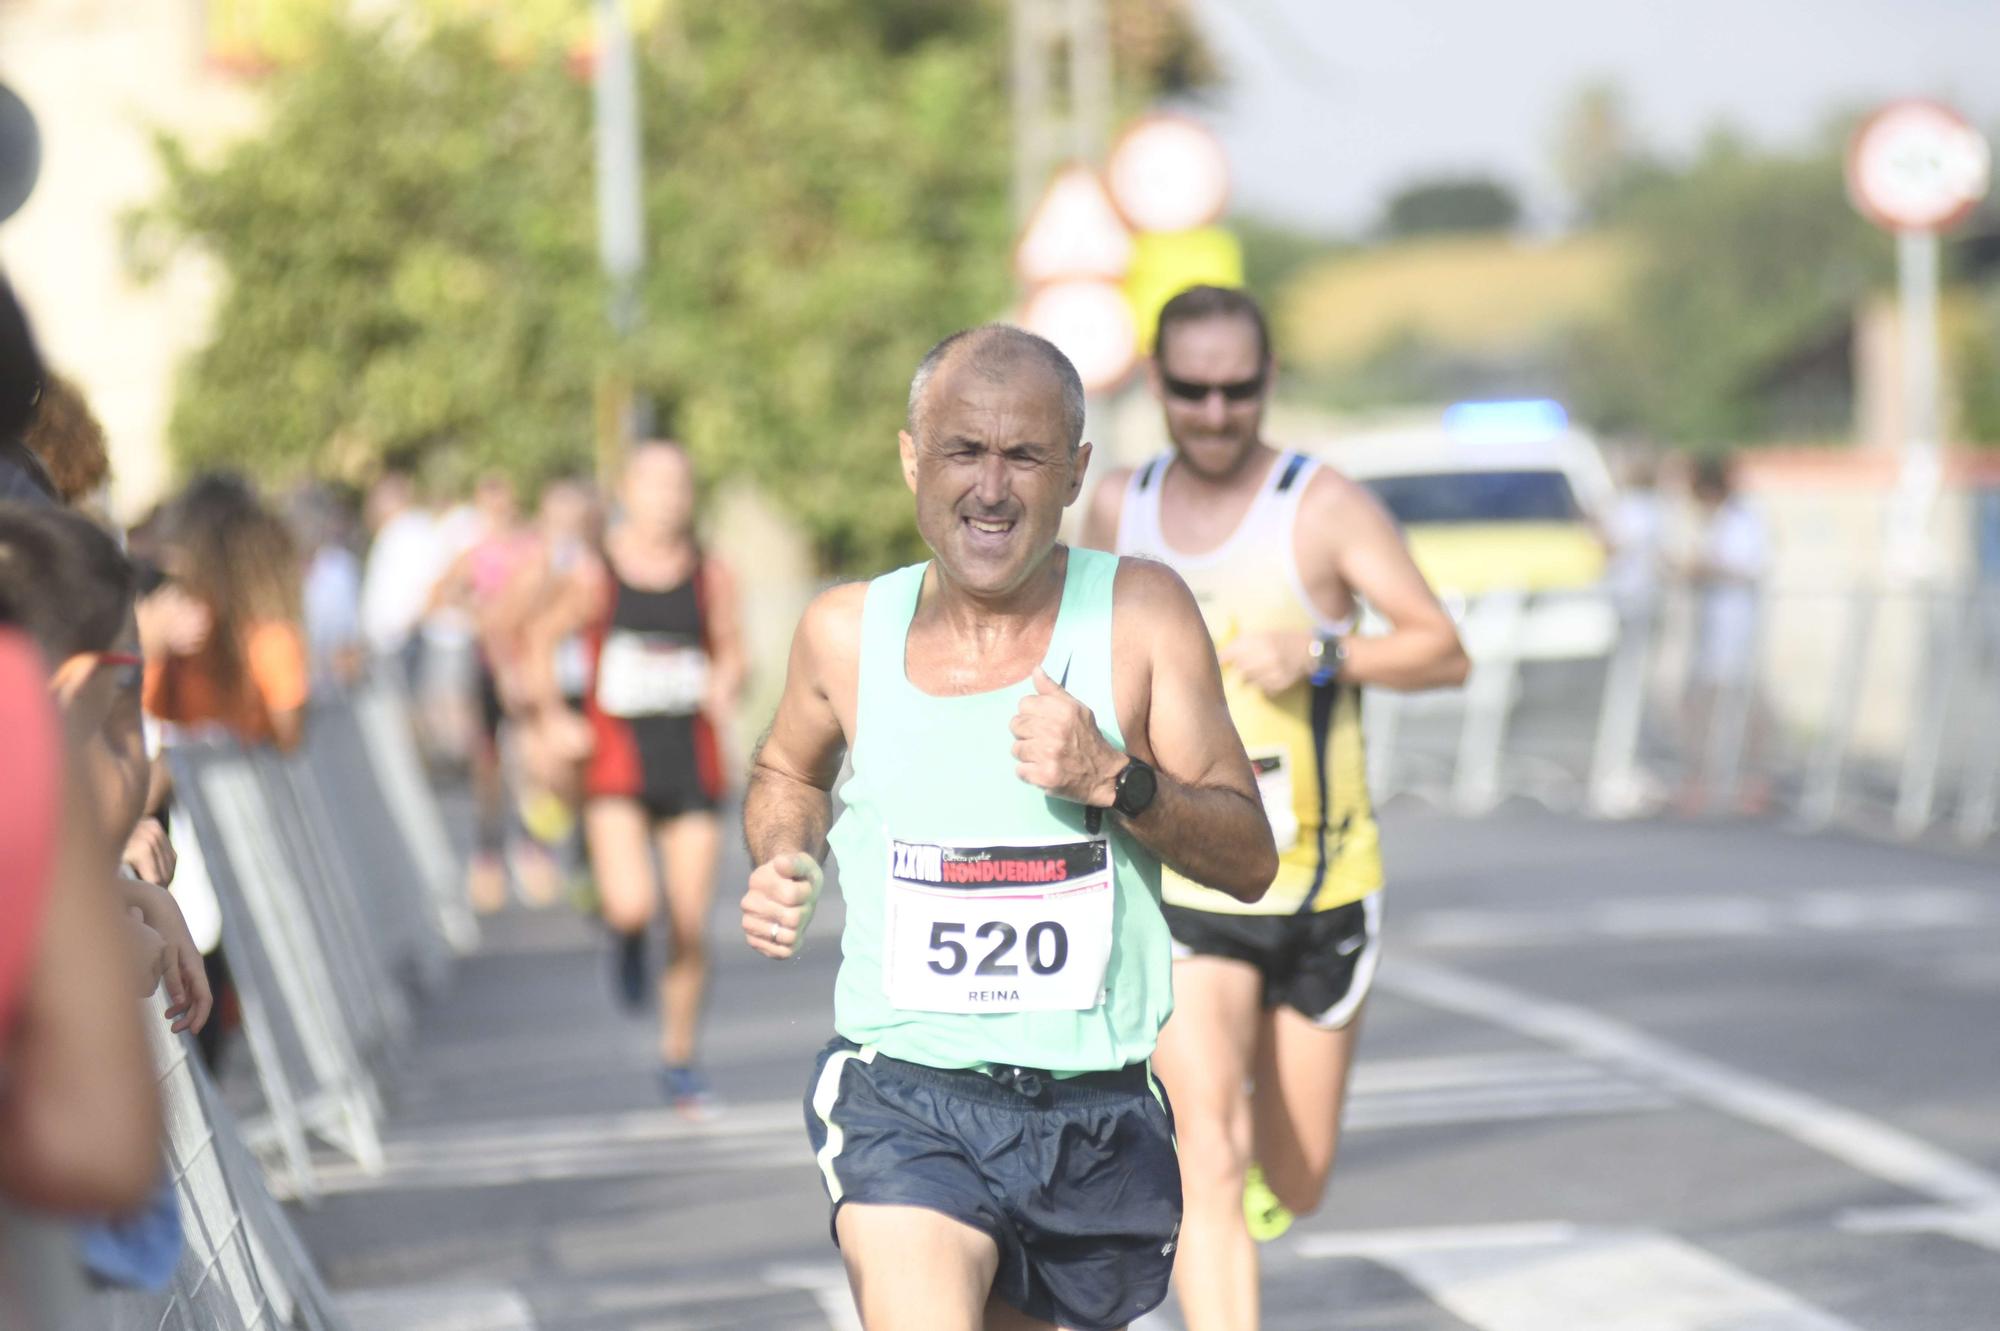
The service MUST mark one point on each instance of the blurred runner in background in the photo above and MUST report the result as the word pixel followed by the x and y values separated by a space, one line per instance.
pixel 1279 551
pixel 568 536
pixel 666 666
pixel 477 583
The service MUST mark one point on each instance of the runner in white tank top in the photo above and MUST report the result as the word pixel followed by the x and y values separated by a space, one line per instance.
pixel 1277 549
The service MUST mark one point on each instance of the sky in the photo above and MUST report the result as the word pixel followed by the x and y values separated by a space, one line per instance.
pixel 1332 104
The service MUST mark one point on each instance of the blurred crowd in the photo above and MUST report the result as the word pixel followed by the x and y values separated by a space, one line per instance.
pixel 225 611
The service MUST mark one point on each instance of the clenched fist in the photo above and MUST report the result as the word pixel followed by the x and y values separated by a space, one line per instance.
pixel 778 905
pixel 1058 747
pixel 1271 662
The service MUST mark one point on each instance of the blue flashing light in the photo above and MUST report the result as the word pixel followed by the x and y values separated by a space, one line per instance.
pixel 1499 422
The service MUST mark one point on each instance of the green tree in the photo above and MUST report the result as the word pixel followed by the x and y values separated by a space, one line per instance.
pixel 409 250
pixel 1429 207
pixel 1749 257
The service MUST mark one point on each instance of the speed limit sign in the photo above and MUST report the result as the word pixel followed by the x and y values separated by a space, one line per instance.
pixel 1917 166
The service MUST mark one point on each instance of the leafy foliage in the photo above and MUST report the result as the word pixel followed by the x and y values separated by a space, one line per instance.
pixel 1748 257
pixel 1431 207
pixel 410 248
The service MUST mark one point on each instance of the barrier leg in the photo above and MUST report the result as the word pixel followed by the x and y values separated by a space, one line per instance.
pixel 1979 795
pixel 1916 789
pixel 1614 766
pixel 1489 698
pixel 1821 796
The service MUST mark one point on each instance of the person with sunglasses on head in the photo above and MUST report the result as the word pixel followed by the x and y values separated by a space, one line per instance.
pixel 1031 731
pixel 70 589
pixel 1280 551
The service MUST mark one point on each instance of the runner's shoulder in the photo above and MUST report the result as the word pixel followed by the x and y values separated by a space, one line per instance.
pixel 1153 592
pixel 830 629
pixel 1107 503
pixel 1333 502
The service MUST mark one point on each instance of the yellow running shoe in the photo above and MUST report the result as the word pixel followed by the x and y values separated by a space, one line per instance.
pixel 1262 1211
pixel 547 819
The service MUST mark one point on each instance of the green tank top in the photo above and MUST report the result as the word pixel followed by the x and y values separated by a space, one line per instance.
pixel 986 923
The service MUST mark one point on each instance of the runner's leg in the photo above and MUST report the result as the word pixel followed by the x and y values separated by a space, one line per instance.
pixel 1204 1058
pixel 913 1269
pixel 689 848
pixel 1301 1089
pixel 621 864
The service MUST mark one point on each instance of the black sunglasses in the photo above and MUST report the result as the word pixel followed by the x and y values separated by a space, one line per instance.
pixel 1187 390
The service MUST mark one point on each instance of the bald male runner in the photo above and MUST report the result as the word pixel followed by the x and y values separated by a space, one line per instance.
pixel 1280 551
pixel 1032 730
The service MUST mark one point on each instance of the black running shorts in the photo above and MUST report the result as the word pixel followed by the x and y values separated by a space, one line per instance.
pixel 1075 1179
pixel 1321 964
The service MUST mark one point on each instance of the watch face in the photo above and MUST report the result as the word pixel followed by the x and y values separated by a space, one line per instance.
pixel 1136 787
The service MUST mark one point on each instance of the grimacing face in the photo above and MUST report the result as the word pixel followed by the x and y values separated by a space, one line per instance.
pixel 657 490
pixel 1213 436
pixel 992 472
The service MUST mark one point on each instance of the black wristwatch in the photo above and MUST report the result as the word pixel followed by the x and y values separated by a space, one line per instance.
pixel 1134 789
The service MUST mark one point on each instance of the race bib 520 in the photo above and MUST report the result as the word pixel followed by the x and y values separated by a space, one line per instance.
pixel 1008 928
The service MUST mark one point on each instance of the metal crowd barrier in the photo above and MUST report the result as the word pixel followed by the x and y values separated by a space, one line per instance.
pixel 1876 706
pixel 241 1268
pixel 339 902
pixel 334 913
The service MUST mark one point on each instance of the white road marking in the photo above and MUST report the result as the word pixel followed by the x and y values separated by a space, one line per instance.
pixel 1687 918
pixel 1977 1225
pixel 769 1135
pixel 1864 1143
pixel 438 1308
pixel 1537 1277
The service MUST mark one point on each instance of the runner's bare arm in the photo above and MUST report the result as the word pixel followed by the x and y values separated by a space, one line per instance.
pixel 727 662
pixel 1206 820
pixel 1107 503
pixel 788 804
pixel 575 599
pixel 1421 649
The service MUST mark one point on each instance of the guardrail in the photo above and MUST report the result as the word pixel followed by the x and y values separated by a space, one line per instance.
pixel 1868 705
pixel 332 928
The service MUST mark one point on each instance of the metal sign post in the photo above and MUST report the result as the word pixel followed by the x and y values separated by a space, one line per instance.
pixel 1917 168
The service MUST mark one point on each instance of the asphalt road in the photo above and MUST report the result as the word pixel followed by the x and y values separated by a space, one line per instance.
pixel 1662 1076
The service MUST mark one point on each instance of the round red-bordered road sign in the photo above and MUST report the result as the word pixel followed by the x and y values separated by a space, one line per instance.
pixel 1917 165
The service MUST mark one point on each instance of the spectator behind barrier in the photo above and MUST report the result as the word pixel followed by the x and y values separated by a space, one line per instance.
pixel 21 475
pixel 79 1111
pixel 67 440
pixel 248 672
pixel 70 589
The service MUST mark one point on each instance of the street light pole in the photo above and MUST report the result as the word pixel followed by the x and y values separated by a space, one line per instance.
pixel 621 222
pixel 1923 433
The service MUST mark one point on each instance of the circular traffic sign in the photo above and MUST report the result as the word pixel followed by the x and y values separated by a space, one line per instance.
pixel 1169 173
pixel 1091 323
pixel 20 152
pixel 1917 166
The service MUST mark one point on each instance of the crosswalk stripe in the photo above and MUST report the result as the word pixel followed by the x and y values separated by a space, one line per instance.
pixel 1534 1277
pixel 1831 911
pixel 1388 1094
pixel 1861 1142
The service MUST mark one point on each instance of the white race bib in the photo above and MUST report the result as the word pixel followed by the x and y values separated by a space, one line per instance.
pixel 650 674
pixel 1274 783
pixel 997 928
